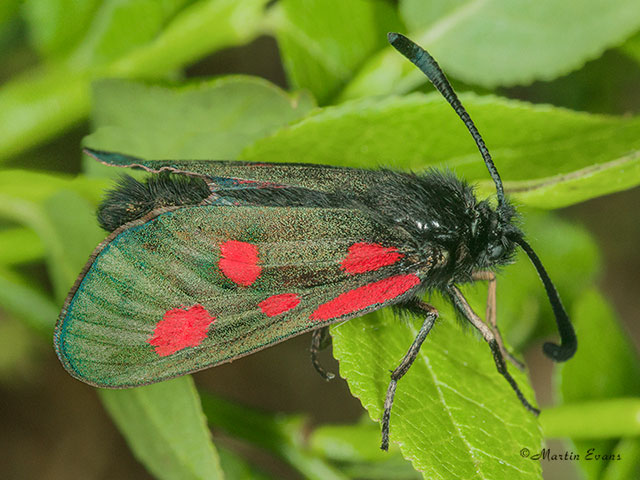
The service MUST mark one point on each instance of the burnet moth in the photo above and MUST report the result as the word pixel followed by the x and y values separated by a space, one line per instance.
pixel 210 261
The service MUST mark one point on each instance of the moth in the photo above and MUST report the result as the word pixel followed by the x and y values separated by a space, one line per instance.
pixel 210 261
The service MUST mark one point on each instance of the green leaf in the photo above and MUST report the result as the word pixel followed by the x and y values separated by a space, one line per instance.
pixel 8 9
pixel 493 42
pixel 18 351
pixel 615 418
pixel 322 42
pixel 27 303
pixel 67 229
pixel 605 85
pixel 356 449
pixel 632 47
pixel 236 468
pixel 121 26
pixel 190 36
pixel 15 52
pixel 38 105
pixel 46 101
pixel 117 28
pixel 206 120
pixel 278 434
pixel 19 245
pixel 165 428
pixel 350 443
pixel 548 157
pixel 35 187
pixel 627 461
pixel 59 212
pixel 62 218
pixel 605 366
pixel 56 215
pixel 56 26
pixel 454 415
pixel 73 234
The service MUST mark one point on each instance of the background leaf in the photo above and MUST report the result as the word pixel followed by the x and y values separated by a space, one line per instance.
pixel 205 120
pixel 46 101
pixel 491 42
pixel 54 214
pixel 117 28
pixel 19 245
pixel 236 468
pixel 356 448
pixel 606 366
pixel 322 42
pixel 632 47
pixel 34 201
pixel 68 242
pixel 56 26
pixel 27 302
pixel 8 9
pixel 282 435
pixel 628 450
pixel 166 429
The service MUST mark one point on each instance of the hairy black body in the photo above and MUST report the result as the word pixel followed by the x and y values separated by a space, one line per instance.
pixel 436 211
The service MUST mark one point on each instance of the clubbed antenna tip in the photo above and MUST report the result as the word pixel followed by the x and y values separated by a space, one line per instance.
pixel 426 63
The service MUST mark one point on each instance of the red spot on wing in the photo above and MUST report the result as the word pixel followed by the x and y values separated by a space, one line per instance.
pixel 180 329
pixel 277 304
pixel 367 257
pixel 239 262
pixel 365 296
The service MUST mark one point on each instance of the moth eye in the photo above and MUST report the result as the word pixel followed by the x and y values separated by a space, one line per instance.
pixel 495 251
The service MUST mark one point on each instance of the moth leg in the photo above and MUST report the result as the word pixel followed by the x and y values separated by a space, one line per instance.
pixel 490 278
pixel 320 339
pixel 431 314
pixel 490 338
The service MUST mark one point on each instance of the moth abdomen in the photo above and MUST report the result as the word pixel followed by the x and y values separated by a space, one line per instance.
pixel 132 199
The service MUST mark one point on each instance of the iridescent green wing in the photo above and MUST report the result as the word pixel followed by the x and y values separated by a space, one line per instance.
pixel 192 287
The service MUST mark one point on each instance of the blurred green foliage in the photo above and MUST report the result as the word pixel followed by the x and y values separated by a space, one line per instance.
pixel 121 62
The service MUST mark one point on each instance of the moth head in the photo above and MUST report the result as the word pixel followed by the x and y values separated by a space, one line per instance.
pixel 501 234
pixel 491 232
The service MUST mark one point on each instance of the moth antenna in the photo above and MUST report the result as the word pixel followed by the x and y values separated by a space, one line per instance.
pixel 427 64
pixel 568 341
